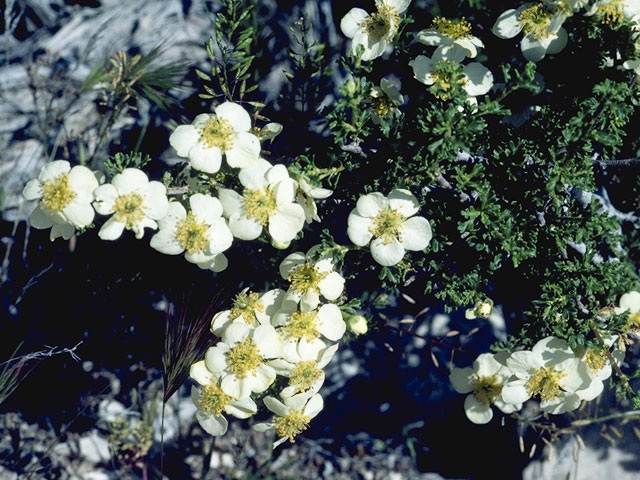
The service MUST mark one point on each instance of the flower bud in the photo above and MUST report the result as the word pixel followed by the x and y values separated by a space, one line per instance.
pixel 357 324
pixel 482 309
pixel 280 245
pixel 270 130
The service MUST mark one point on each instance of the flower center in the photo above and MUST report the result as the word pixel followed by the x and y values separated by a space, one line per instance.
pixel 382 106
pixel 244 358
pixel 611 13
pixel 447 76
pixel 245 305
pixel 595 359
pixel 486 389
pixel 213 399
pixel 634 320
pixel 260 204
pixel 129 209
pixel 305 374
pixel 292 424
pixel 535 21
pixel 217 133
pixel 379 24
pixel 306 277
pixel 302 325
pixel 57 193
pixel 387 225
pixel 454 29
pixel 192 235
pixel 546 383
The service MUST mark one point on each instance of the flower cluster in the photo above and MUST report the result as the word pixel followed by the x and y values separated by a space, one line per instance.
pixel 288 334
pixel 201 225
pixel 550 372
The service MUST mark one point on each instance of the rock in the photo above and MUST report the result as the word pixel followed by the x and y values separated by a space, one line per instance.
pixel 95 475
pixel 94 448
pixel 110 410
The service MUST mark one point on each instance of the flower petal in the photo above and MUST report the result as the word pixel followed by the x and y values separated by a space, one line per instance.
pixel 204 158
pixel 358 229
pixel 211 424
pixel 416 233
pixel 461 379
pixel 200 373
pixel 478 413
pixel 332 286
pixel 111 230
pixel 235 115
pixel 245 150
pixel 130 180
pixel 285 224
pixel 371 204
pixel 268 341
pixel 515 392
pixel 507 25
pixel 387 253
pixel 183 139
pixel 352 21
pixel 39 219
pixel 331 323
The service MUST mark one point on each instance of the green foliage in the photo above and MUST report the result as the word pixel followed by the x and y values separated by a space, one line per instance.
pixel 120 161
pixel 236 35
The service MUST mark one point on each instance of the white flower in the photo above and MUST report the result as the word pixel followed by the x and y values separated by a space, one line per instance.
pixel 481 309
pixel 384 101
pixel 306 196
pixel 266 202
pixel 541 26
pixel 630 302
pixel 240 357
pixel 311 277
pixel 303 329
pixel 453 39
pixel 270 131
pixel 632 65
pixel 613 12
pixel 227 132
pixel 304 371
pixel 357 324
pixel 391 225
pixel 376 30
pixel 65 196
pixel 477 79
pixel 202 233
pixel 134 201
pixel 484 382
pixel 550 371
pixel 291 417
pixel 249 307
pixel 211 401
pixel 599 368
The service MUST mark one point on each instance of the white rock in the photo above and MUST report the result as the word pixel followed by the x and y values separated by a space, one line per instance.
pixel 94 448
pixel 95 475
pixel 110 410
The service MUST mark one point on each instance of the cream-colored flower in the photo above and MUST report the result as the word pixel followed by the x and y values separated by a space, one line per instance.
pixel 202 234
pixel 453 39
pixel 65 195
pixel 385 101
pixel 227 131
pixel 306 196
pixel 389 224
pixel 630 302
pixel 303 329
pixel 481 309
pixel 267 201
pixel 484 382
pixel 541 25
pixel 310 276
pixel 249 307
pixel 240 358
pixel 551 372
pixel 211 402
pixel 291 417
pixel 477 79
pixel 614 12
pixel 133 202
pixel 374 31
pixel 599 367
pixel 304 371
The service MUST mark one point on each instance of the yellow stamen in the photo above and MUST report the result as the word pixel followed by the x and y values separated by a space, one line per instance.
pixel 57 193
pixel 213 400
pixel 246 305
pixel 244 358
pixel 129 209
pixel 546 383
pixel 486 389
pixel 595 359
pixel 217 132
pixel 192 235
pixel 260 205
pixel 535 21
pixel 304 375
pixel 306 277
pixel 387 225
pixel 454 29
pixel 291 425
pixel 378 24
pixel 302 325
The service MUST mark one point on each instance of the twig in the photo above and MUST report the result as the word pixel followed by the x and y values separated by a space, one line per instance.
pixel 433 341
pixel 178 191
pixel 612 360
